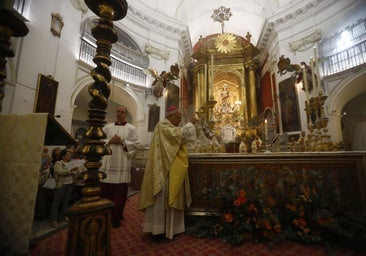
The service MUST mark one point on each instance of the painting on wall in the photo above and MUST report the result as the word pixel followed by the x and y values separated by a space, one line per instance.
pixel 172 96
pixel 154 115
pixel 289 105
pixel 46 95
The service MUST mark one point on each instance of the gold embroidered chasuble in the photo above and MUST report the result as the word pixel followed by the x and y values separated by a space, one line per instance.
pixel 167 158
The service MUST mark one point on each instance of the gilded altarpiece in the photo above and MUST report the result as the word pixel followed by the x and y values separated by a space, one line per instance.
pixel 224 83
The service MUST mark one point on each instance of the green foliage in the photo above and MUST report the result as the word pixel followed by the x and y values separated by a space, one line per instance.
pixel 267 205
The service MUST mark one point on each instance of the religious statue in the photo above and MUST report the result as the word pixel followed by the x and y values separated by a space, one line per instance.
pixel 300 75
pixel 256 144
pixel 228 132
pixel 302 141
pixel 225 102
pixel 162 80
pixel 242 147
pixel 284 65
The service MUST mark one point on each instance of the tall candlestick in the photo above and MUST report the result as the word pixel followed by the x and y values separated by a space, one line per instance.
pixel 212 75
pixel 317 68
pixel 205 87
pixel 305 82
pixel 312 67
pixel 266 128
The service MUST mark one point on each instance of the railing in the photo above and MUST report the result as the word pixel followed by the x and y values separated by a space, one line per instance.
pixel 347 59
pixel 120 68
pixel 19 6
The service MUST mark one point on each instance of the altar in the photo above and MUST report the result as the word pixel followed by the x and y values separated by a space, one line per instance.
pixel 338 178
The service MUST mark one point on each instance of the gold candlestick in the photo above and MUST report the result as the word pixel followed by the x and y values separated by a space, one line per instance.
pixel 89 226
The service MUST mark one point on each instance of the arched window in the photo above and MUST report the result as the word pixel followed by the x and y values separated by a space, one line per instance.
pixel 128 61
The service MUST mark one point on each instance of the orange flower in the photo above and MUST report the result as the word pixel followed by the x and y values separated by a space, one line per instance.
pixel 306 191
pixel 267 224
pixel 228 217
pixel 277 228
pixel 325 221
pixel 242 199
pixel 252 208
pixel 302 222
pixel 291 207
pixel 237 203
pixel 271 200
pixel 242 193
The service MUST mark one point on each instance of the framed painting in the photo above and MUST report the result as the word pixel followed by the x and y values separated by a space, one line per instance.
pixel 289 105
pixel 154 115
pixel 173 96
pixel 46 95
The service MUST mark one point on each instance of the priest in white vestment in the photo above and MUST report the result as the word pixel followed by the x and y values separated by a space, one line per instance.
pixel 165 191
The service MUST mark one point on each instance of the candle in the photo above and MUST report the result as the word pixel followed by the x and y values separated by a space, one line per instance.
pixel 266 128
pixel 312 67
pixel 212 74
pixel 317 68
pixel 205 86
pixel 305 82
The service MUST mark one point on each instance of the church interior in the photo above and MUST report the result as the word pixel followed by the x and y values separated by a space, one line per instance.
pixel 277 86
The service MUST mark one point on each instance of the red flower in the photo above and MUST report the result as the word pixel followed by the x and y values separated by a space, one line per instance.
pixel 237 203
pixel 228 217
pixel 302 222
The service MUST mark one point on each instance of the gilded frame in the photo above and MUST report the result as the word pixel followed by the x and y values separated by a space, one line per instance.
pixel 46 95
pixel 290 114
pixel 56 24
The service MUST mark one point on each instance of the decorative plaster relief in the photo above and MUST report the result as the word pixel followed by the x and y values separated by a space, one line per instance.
pixel 306 42
pixel 80 5
pixel 156 53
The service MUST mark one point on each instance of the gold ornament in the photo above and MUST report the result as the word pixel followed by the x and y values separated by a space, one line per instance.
pixel 225 42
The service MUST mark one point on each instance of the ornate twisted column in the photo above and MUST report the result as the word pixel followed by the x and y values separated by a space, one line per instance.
pixel 89 227
pixel 11 25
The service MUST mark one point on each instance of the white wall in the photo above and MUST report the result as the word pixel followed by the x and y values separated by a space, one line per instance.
pixel 297 23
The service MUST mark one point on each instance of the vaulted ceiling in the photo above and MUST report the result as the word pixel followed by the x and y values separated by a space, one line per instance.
pixel 247 15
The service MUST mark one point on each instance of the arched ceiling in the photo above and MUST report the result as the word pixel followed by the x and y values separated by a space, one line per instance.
pixel 247 15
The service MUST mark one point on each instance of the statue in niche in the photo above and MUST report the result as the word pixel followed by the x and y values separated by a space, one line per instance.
pixel 225 99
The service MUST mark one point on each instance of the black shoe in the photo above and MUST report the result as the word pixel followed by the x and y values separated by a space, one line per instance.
pixel 116 223
pixel 158 238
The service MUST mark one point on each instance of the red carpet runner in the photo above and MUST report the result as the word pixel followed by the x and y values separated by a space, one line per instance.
pixel 129 240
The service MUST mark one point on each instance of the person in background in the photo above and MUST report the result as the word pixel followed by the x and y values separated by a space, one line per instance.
pixel 55 155
pixel 64 187
pixel 41 204
pixel 123 141
pixel 165 191
pixel 77 160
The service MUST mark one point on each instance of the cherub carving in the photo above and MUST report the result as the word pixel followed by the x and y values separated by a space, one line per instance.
pixel 284 65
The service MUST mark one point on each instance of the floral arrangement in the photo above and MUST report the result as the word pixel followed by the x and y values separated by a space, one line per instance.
pixel 266 206
pixel 246 217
